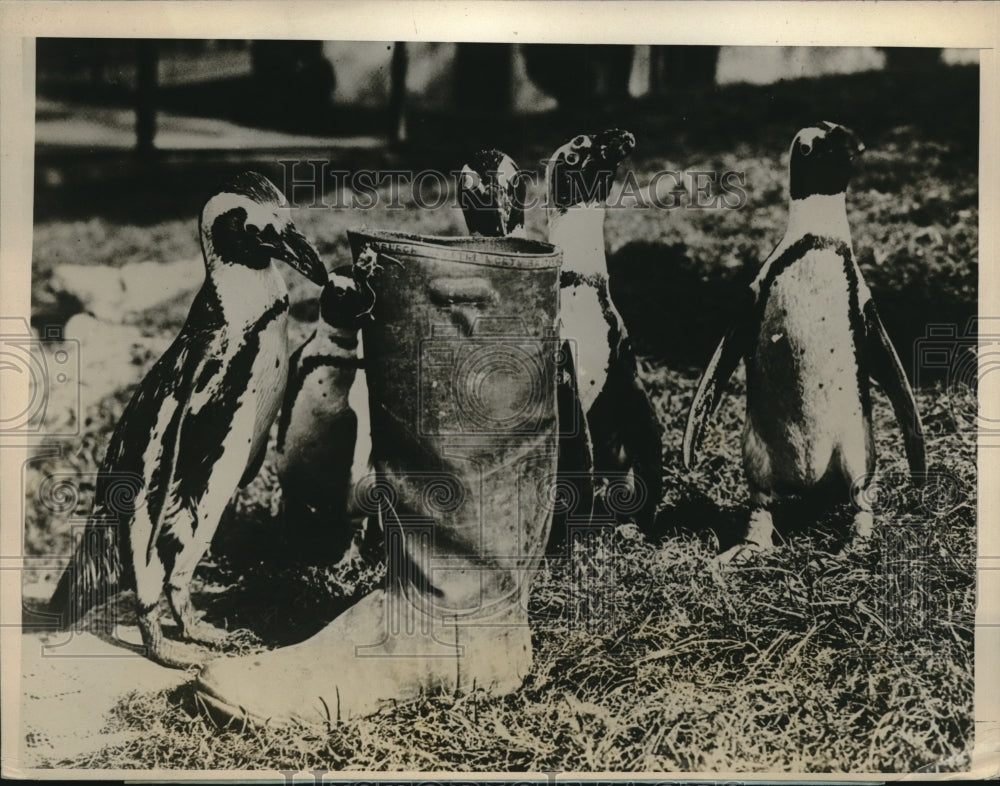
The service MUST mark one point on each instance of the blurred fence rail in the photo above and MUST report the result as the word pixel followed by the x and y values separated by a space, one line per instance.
pixel 344 88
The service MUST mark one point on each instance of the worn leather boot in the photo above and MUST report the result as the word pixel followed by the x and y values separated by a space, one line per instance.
pixel 461 352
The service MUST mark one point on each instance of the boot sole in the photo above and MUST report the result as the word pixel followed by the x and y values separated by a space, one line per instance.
pixel 232 716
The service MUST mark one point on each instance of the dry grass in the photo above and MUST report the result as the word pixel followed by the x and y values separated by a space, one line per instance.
pixel 648 657
pixel 797 662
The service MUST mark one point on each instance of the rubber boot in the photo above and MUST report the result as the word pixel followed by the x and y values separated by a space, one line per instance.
pixel 461 352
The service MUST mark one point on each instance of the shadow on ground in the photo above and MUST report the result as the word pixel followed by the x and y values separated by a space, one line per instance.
pixel 697 514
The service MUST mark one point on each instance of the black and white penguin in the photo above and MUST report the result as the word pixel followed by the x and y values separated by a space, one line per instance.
pixel 811 337
pixel 323 439
pixel 492 192
pixel 624 432
pixel 197 426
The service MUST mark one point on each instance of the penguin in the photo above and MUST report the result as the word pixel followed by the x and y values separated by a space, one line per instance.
pixel 619 431
pixel 196 427
pixel 323 437
pixel 492 192
pixel 810 336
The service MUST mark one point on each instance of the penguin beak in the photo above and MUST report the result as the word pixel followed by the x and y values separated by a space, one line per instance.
pixel 855 146
pixel 299 253
pixel 621 144
pixel 858 145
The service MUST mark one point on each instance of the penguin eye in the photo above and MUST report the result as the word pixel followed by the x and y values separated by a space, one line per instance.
pixel 580 141
pixel 805 148
pixel 265 234
pixel 572 158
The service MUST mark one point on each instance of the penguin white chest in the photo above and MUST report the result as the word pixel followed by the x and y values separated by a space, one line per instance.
pixel 805 331
pixel 585 328
pixel 318 393
pixel 270 371
pixel 804 395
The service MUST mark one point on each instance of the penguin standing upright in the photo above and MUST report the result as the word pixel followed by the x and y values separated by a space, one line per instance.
pixel 322 429
pixel 624 432
pixel 810 335
pixel 197 426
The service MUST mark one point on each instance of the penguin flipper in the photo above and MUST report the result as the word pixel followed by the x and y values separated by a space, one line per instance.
pixel 575 463
pixel 292 388
pixel 646 454
pixel 886 369
pixel 254 465
pixel 627 436
pixel 720 368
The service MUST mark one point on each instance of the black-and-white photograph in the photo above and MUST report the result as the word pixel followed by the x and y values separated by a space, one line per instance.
pixel 409 406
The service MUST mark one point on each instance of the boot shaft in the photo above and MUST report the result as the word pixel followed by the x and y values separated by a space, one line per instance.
pixel 461 352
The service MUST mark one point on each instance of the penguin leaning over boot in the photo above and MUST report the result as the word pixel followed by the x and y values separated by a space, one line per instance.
pixel 196 427
pixel 323 432
pixel 610 428
pixel 811 337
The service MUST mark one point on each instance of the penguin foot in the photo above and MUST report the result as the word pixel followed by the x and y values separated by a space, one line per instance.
pixel 863 526
pixel 168 652
pixel 203 633
pixel 178 655
pixel 862 530
pixel 758 539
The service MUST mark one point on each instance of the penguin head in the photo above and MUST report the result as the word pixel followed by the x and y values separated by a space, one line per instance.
pixel 340 302
pixel 822 159
pixel 248 223
pixel 492 193
pixel 581 171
